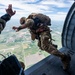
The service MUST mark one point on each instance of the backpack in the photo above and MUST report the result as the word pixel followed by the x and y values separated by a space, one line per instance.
pixel 40 18
pixel 11 66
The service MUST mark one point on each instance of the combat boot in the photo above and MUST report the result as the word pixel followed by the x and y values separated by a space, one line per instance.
pixel 66 62
pixel 55 46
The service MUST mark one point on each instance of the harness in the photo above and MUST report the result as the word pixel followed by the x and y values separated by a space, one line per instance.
pixel 37 23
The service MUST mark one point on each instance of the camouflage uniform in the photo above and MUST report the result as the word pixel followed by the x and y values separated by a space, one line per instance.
pixel 44 37
pixel 3 20
pixel 2 24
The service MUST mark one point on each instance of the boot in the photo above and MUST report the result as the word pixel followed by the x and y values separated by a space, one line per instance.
pixel 55 46
pixel 66 62
pixel 64 58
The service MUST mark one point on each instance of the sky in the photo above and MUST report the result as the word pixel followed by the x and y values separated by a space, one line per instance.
pixel 55 9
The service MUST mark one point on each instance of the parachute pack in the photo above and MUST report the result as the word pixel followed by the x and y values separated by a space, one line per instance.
pixel 40 18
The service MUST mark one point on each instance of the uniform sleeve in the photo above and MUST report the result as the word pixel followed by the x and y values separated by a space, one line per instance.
pixel 29 23
pixel 3 20
pixel 6 17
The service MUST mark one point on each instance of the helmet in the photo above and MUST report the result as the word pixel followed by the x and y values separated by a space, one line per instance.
pixel 22 20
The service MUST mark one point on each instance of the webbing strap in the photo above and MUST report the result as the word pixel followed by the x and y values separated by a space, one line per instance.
pixel 20 71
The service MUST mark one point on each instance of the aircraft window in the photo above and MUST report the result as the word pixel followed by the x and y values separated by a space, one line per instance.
pixel 21 45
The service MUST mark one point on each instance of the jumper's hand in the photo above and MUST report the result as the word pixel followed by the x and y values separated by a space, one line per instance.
pixel 10 11
pixel 15 28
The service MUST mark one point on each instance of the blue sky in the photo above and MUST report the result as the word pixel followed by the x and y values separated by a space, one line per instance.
pixel 56 9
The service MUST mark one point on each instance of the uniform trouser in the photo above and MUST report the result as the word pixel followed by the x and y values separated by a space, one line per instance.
pixel 45 43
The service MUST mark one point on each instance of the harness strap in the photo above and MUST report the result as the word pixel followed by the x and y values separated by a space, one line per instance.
pixel 20 73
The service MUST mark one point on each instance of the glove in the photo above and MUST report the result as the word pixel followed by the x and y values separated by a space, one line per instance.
pixel 10 11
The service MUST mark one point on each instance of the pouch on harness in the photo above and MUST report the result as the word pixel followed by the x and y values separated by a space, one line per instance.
pixel 37 23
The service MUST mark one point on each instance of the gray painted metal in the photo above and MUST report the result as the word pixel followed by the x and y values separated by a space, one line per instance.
pixel 52 65
pixel 68 33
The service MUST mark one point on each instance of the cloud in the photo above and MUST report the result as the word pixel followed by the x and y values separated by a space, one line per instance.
pixel 60 16
pixel 58 3
pixel 53 8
